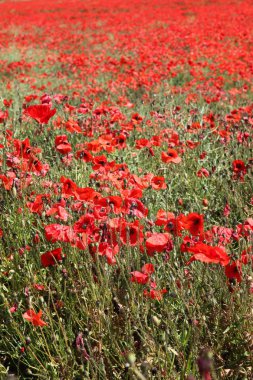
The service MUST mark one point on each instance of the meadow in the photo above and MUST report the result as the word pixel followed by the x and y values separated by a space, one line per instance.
pixel 126 189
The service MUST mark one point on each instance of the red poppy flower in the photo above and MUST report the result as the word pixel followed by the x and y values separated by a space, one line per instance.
pixel 31 97
pixel 36 206
pixel 114 203
pixel 24 149
pixel 13 308
pixel 73 126
pixel 239 169
pixel 3 116
pixel 247 256
pixel 84 155
pixel 62 145
pixel 109 251
pixel 162 217
pixel 134 206
pixel 143 276
pixel 69 187
pixel 142 143
pixel 203 173
pixel 233 271
pixel 141 183
pixel 223 234
pixel 191 144
pixel 239 166
pixel 131 233
pixel 34 318
pixel 194 223
pixel 134 193
pixel 119 141
pixel 50 258
pixel 136 118
pixel 171 156
pixel 155 294
pixel 208 254
pixel 59 232
pixel 148 268
pixel 86 194
pixel 85 224
pixel 58 209
pixel 99 161
pixel 139 277
pixel 40 112
pixel 7 102
pixel 7 181
pixel 226 211
pixel 175 225
pixel 35 166
pixel 158 183
pixel 39 287
pixel 245 229
pixel 158 242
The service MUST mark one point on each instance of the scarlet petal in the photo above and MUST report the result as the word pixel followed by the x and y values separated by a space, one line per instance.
pixel 51 257
pixel 34 318
pixel 40 112
pixel 157 242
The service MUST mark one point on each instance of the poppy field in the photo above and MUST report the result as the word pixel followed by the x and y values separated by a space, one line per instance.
pixel 126 189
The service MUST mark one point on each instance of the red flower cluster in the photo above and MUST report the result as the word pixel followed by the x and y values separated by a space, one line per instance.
pixel 116 171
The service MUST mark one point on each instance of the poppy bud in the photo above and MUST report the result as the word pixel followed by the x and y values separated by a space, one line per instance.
pixel 14 191
pixel 205 202
pixel 151 152
pixel 127 366
pixel 131 358
pixel 154 371
pixel 156 320
pixel 36 239
pixel 204 364
pixel 27 340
